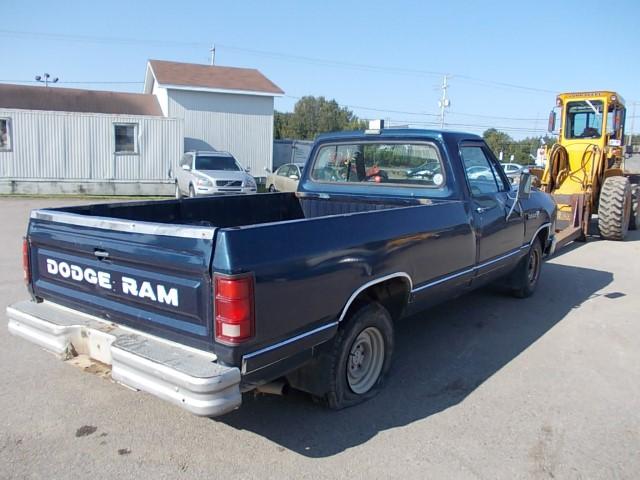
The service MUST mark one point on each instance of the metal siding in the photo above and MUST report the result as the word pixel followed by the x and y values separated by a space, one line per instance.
pixel 79 146
pixel 239 124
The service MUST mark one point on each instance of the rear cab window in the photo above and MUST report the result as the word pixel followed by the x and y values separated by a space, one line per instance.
pixel 383 164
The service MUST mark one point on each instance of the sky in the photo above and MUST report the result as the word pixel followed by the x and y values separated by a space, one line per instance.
pixel 505 60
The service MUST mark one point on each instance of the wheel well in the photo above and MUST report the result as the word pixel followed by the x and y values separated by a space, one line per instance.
pixel 543 235
pixel 393 294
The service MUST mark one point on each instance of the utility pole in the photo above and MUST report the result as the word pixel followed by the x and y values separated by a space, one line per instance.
pixel 213 54
pixel 444 101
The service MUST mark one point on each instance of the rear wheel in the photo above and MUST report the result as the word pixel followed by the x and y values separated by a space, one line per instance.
pixel 614 208
pixel 361 356
pixel 634 221
pixel 272 188
pixel 192 191
pixel 527 273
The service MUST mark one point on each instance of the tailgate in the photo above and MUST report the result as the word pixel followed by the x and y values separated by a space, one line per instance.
pixel 152 277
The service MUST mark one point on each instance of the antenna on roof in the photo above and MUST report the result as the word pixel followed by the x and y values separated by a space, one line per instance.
pixel 213 54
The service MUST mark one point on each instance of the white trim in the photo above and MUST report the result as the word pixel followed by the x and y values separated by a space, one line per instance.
pixel 371 283
pixel 282 344
pixel 443 279
pixel 107 223
pixel 217 90
pixel 535 235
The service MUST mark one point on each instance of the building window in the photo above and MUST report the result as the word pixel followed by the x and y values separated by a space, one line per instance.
pixel 5 134
pixel 126 138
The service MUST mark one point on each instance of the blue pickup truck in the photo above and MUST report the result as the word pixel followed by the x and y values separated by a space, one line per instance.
pixel 198 300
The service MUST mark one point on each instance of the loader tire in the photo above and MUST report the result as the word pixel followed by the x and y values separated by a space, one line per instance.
pixel 634 221
pixel 614 208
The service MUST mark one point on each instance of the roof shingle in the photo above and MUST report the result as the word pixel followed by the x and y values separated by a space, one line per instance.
pixel 214 77
pixel 77 100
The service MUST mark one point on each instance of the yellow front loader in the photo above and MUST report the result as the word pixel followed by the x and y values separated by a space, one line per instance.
pixel 585 171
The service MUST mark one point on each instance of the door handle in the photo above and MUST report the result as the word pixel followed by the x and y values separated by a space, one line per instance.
pixel 101 254
pixel 481 209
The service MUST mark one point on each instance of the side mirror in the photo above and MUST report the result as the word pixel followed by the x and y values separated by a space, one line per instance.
pixel 552 122
pixel 186 167
pixel 523 192
pixel 294 177
pixel 617 121
pixel 248 169
pixel 267 169
pixel 524 187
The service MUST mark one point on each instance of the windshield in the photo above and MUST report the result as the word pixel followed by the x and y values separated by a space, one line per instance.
pixel 384 163
pixel 584 119
pixel 215 162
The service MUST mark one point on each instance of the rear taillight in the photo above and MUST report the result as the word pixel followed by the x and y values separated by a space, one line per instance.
pixel 234 308
pixel 26 268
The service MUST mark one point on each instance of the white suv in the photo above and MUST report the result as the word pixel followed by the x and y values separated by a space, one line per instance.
pixel 209 173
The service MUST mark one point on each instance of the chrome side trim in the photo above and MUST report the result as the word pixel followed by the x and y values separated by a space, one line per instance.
pixel 371 283
pixel 106 223
pixel 542 227
pixel 275 346
pixel 469 270
pixel 443 279
pixel 288 341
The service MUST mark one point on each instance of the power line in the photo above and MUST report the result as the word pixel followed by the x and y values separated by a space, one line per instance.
pixel 279 55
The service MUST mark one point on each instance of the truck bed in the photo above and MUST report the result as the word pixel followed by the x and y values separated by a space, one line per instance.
pixel 236 211
pixel 149 264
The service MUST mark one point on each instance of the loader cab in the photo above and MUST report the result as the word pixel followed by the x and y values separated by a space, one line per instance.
pixel 589 118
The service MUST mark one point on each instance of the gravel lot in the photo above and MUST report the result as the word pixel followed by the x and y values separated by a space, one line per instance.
pixel 486 386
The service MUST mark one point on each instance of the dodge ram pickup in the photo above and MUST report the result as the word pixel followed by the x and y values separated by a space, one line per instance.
pixel 199 300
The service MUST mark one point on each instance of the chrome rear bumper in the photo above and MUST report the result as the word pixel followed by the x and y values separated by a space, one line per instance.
pixel 181 375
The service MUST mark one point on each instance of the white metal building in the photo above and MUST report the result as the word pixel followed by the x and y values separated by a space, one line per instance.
pixel 223 108
pixel 60 140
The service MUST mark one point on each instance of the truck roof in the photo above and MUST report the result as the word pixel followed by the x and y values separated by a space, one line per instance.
pixel 397 133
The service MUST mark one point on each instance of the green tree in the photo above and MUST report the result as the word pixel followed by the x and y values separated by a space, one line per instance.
pixel 314 115
pixel 523 151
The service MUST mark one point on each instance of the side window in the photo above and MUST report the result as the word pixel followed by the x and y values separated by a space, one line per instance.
pixel 5 134
pixel 186 160
pixel 481 172
pixel 126 138
pixel 283 171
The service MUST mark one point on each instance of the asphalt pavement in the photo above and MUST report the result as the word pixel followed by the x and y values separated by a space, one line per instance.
pixel 485 386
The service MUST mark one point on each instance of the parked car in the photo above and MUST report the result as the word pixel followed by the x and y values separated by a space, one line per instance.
pixel 210 173
pixel 427 170
pixel 196 302
pixel 479 173
pixel 512 169
pixel 285 178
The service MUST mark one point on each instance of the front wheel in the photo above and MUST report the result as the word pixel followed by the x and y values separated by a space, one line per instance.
pixel 272 188
pixel 361 356
pixel 527 273
pixel 192 191
pixel 178 192
pixel 614 208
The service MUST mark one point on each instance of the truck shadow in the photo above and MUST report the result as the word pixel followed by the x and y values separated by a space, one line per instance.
pixel 442 355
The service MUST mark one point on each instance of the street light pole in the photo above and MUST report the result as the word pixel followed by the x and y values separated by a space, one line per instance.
pixel 46 79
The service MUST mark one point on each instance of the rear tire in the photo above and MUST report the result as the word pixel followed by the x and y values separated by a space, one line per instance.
pixel 614 208
pixel 527 273
pixel 634 221
pixel 192 192
pixel 272 188
pixel 361 357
